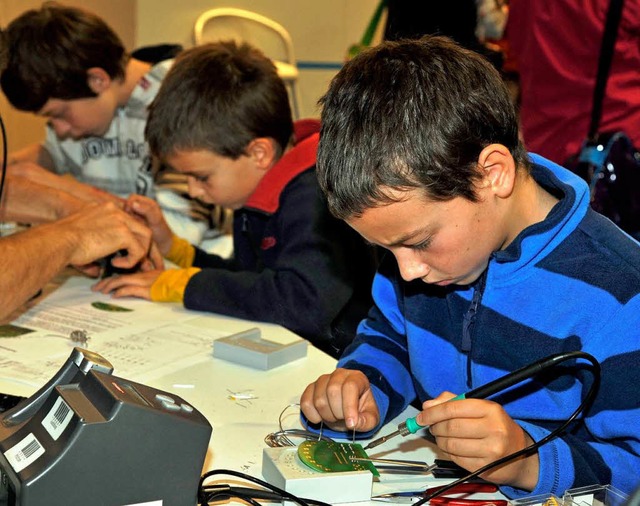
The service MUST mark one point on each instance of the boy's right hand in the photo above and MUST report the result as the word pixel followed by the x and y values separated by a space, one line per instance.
pixel 343 400
pixel 149 211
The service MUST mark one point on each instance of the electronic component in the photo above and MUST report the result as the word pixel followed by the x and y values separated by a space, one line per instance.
pixel 80 337
pixel 331 457
pixel 283 468
pixel 88 436
pixel 107 269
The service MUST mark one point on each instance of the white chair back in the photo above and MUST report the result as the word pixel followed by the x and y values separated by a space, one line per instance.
pixel 224 23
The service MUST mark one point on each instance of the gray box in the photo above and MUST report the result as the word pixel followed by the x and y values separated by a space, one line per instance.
pixel 250 349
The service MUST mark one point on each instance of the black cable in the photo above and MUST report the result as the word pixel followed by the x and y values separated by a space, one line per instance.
pixel 224 492
pixel 245 498
pixel 554 360
pixel 208 494
pixel 3 170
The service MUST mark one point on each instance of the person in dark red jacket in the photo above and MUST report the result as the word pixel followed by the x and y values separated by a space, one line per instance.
pixel 556 44
pixel 222 117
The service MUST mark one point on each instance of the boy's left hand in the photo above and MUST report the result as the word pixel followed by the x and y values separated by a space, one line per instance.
pixel 476 432
pixel 129 285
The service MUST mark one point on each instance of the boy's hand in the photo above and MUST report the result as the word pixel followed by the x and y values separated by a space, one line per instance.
pixel 128 285
pixel 343 400
pixel 149 211
pixel 151 262
pixel 475 432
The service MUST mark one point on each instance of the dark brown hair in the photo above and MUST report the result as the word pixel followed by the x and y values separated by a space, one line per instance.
pixel 219 97
pixel 411 114
pixel 49 52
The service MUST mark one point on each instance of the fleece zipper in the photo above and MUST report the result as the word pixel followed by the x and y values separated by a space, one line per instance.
pixel 468 324
pixel 246 231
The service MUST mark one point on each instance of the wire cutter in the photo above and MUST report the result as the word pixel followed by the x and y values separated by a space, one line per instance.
pixel 463 489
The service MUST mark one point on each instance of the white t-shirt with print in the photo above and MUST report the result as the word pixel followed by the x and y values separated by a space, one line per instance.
pixel 119 161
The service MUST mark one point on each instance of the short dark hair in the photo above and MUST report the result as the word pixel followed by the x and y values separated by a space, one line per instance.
pixel 49 52
pixel 219 97
pixel 411 114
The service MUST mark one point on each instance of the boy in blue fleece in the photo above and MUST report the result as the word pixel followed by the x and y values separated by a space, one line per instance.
pixel 496 260
pixel 222 117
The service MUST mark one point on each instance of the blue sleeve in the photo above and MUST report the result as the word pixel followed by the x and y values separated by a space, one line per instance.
pixel 380 352
pixel 380 348
pixel 604 447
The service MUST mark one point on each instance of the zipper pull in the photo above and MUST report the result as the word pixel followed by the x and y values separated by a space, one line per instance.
pixel 469 319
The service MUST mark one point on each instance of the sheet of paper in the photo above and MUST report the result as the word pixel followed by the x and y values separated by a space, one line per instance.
pixel 143 340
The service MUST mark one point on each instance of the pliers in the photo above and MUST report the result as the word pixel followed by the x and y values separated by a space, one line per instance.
pixel 445 500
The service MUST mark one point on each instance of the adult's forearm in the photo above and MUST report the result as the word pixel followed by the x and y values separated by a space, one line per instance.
pixel 32 154
pixel 63 183
pixel 26 201
pixel 28 260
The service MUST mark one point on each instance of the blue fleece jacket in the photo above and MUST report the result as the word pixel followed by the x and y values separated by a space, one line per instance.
pixel 571 282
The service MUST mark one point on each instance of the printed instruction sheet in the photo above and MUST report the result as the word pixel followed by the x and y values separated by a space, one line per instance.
pixel 142 340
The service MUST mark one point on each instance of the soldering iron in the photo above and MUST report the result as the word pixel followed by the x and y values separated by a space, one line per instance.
pixel 411 426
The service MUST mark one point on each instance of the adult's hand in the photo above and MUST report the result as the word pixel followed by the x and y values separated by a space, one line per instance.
pixel 102 229
pixel 29 259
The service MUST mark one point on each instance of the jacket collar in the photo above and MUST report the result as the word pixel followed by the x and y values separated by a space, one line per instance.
pixel 542 238
pixel 301 157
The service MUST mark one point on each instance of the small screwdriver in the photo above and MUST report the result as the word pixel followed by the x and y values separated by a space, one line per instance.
pixel 411 426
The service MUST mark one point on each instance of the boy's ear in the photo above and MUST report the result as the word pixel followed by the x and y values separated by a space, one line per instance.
pixel 98 79
pixel 499 169
pixel 263 152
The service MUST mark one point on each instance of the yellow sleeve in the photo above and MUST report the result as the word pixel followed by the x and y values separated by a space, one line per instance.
pixel 181 252
pixel 171 284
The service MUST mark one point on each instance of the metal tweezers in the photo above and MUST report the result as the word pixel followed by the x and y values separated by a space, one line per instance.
pixel 439 469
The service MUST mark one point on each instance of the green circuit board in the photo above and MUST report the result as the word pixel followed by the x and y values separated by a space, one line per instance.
pixel 331 457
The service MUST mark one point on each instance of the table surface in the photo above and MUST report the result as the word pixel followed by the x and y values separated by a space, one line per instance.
pixel 170 348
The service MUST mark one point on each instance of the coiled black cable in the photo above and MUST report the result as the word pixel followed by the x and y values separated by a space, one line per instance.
pixel 216 492
pixel 545 363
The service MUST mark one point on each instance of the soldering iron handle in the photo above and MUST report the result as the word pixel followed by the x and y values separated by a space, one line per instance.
pixel 493 387
pixel 411 425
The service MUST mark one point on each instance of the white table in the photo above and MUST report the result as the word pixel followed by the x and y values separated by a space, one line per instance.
pixel 215 387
